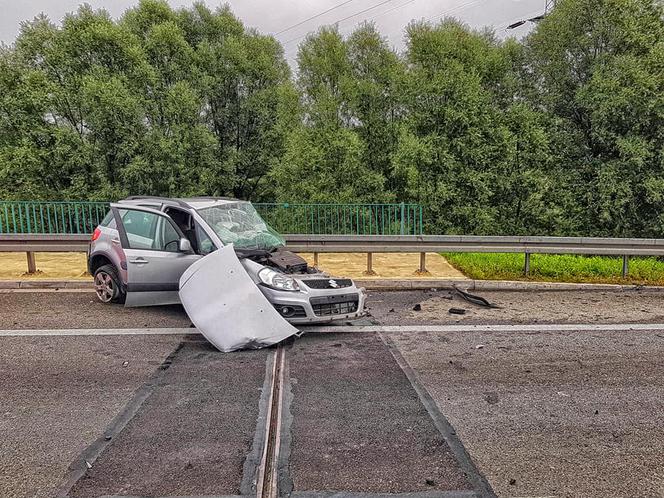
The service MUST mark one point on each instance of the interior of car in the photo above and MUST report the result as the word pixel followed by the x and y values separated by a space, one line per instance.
pixel 186 223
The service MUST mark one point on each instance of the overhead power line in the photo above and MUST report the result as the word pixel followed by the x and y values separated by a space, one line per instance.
pixel 314 17
pixel 463 6
pixel 363 11
pixel 548 6
pixel 392 9
pixel 344 19
pixel 454 9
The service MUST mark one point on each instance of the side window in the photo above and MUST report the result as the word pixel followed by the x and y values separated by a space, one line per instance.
pixel 169 240
pixel 205 245
pixel 108 221
pixel 149 231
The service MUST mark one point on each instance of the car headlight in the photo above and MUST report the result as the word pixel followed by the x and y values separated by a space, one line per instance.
pixel 277 280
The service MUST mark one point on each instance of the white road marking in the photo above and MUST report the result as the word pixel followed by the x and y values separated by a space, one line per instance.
pixel 59 290
pixel 79 332
pixel 572 327
pixel 563 327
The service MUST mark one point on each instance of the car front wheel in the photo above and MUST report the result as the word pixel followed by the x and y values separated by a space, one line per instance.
pixel 108 286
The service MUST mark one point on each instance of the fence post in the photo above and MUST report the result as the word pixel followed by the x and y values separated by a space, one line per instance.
pixel 625 266
pixel 526 266
pixel 315 260
pixel 32 265
pixel 403 209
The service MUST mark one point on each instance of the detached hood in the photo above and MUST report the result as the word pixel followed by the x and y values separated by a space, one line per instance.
pixel 226 305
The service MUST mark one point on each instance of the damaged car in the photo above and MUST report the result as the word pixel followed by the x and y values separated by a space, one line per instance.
pixel 153 251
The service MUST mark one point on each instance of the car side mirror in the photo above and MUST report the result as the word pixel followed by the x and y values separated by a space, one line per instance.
pixel 185 245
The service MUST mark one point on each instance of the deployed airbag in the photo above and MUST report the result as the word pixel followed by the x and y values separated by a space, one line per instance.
pixel 227 306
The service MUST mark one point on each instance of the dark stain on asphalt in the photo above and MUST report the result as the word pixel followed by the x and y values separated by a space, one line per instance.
pixel 491 398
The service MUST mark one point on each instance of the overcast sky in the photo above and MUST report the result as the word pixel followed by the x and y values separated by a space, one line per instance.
pixel 273 16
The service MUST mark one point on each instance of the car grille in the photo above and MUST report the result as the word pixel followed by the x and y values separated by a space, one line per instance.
pixel 324 283
pixel 288 311
pixel 334 305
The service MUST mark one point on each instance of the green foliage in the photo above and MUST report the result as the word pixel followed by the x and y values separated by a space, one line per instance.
pixel 160 102
pixel 557 134
pixel 558 268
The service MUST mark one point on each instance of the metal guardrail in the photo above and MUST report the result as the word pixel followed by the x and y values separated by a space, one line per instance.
pixel 31 243
pixel 75 217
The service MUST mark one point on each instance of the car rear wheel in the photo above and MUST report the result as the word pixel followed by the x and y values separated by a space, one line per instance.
pixel 108 286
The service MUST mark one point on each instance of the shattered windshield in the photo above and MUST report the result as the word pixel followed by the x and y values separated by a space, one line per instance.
pixel 241 225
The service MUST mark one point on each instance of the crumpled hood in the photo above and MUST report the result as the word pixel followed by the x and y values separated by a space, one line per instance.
pixel 227 307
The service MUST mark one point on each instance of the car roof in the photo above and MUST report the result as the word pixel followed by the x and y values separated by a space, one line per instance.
pixel 185 202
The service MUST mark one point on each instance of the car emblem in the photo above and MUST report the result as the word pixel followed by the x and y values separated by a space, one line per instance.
pixel 333 284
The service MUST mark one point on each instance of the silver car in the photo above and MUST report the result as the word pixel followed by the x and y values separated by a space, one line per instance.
pixel 144 244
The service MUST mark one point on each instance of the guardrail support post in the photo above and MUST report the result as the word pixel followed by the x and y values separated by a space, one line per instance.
pixel 315 260
pixel 526 266
pixel 625 268
pixel 32 265
pixel 369 264
pixel 423 262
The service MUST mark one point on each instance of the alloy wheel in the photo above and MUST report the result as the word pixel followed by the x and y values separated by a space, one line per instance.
pixel 104 286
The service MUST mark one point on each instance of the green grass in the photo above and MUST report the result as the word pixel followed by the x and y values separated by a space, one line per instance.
pixel 558 268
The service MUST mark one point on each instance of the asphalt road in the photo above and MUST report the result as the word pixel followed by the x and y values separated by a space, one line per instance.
pixel 61 309
pixel 538 413
pixel 57 395
pixel 552 413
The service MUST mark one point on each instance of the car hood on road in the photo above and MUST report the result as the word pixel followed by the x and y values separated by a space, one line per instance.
pixel 227 307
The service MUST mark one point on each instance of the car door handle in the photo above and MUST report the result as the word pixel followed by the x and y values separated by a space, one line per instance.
pixel 139 261
pixel 115 241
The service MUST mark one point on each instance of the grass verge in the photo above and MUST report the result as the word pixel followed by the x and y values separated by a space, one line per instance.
pixel 558 268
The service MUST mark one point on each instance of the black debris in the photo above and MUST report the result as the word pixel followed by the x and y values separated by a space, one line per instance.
pixel 471 298
pixel 417 307
pixel 457 311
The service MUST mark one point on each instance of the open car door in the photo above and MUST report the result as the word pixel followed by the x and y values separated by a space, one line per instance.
pixel 226 305
pixel 157 254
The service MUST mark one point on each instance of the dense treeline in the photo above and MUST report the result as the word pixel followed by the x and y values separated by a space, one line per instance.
pixel 560 133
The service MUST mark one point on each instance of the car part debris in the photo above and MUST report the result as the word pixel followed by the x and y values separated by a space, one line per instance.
pixel 226 305
pixel 457 311
pixel 471 298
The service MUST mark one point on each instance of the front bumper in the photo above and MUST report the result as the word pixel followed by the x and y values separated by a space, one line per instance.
pixel 310 305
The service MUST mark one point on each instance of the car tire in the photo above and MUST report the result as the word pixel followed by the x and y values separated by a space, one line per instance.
pixel 108 286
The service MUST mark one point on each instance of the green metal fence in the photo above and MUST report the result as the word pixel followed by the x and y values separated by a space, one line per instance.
pixel 50 217
pixel 335 219
pixel 342 219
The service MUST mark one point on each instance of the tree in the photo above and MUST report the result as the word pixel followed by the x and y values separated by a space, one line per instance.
pixel 159 102
pixel 597 69
pixel 324 159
